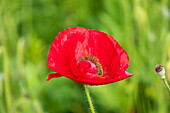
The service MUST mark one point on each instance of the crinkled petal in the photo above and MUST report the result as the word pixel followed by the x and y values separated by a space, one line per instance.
pixel 53 75
pixel 59 54
pixel 111 55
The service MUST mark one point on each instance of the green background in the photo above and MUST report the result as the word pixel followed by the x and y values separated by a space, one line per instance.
pixel 27 28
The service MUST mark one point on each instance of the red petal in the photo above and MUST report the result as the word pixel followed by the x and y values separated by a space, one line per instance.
pixel 102 81
pixel 111 55
pixel 53 75
pixel 59 54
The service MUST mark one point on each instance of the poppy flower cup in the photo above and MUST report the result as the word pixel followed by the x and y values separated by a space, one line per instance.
pixel 87 56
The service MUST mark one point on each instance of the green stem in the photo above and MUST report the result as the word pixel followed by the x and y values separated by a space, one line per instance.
pixel 166 83
pixel 89 99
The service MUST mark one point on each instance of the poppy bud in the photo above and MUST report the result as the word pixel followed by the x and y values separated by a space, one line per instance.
pixel 161 71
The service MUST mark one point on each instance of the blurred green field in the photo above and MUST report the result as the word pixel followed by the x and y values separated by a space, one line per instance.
pixel 27 28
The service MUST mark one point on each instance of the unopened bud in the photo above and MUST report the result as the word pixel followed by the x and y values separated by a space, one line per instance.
pixel 161 71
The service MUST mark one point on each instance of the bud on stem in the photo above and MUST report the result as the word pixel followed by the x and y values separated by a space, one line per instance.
pixel 161 71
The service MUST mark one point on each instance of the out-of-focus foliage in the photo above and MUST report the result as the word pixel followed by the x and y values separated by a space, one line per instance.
pixel 27 28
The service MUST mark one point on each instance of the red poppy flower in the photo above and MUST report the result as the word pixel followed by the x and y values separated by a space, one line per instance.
pixel 87 56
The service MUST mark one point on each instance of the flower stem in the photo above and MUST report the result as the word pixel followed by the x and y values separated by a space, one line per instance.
pixel 166 83
pixel 89 99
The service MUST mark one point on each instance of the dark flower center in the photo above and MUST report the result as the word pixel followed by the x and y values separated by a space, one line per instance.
pixel 94 60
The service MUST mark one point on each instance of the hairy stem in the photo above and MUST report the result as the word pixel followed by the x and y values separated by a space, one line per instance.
pixel 89 99
pixel 166 83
